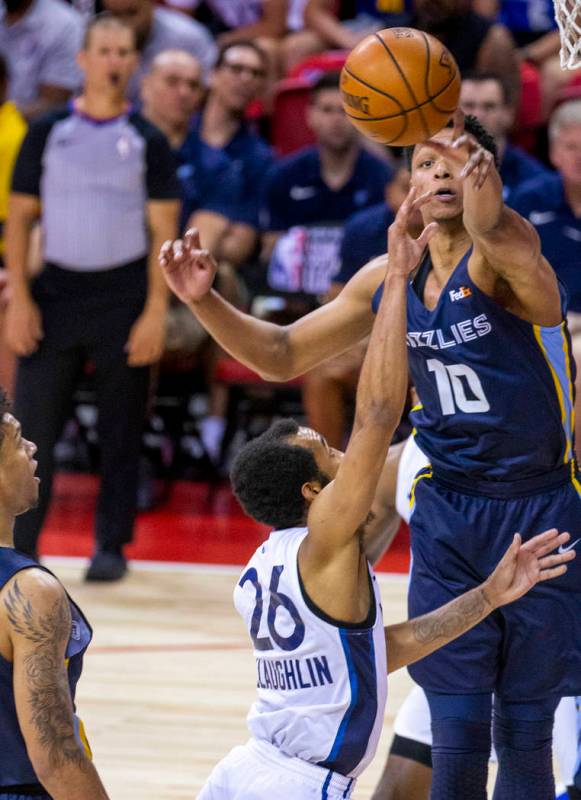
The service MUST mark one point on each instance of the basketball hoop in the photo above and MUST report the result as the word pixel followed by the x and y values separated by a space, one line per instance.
pixel 568 16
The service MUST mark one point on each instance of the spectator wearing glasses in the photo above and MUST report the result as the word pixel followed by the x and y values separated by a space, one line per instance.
pixel 220 132
pixel 158 29
pixel 40 40
pixel 486 96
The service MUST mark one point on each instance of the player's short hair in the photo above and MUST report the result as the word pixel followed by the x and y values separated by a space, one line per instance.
pixel 248 44
pixel 268 473
pixel 568 113
pixel 4 409
pixel 330 80
pixel 105 19
pixel 482 76
pixel 474 128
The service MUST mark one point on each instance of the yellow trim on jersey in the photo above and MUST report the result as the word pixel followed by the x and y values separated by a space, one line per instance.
pixel 568 356
pixel 84 740
pixel 538 329
pixel 425 473
pixel 418 407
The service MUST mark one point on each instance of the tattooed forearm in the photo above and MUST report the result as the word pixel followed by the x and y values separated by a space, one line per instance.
pixel 453 619
pixel 48 693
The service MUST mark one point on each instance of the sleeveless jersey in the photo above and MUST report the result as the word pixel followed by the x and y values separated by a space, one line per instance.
pixel 322 685
pixel 16 770
pixel 496 392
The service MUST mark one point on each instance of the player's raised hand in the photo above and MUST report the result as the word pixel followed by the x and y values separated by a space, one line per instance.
pixel 467 151
pixel 189 270
pixel 525 565
pixel 404 251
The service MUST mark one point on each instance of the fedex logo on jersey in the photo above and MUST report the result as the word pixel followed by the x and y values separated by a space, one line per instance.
pixel 459 333
pixel 460 294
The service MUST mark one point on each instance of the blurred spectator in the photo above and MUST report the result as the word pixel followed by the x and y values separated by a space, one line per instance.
pixel 476 42
pixel 221 147
pixel 160 29
pixel 324 29
pixel 533 26
pixel 235 82
pixel 103 180
pixel 329 391
pixel 310 194
pixel 40 40
pixel 553 205
pixel 12 130
pixel 485 95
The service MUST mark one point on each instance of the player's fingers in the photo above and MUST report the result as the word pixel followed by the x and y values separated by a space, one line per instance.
pixel 427 234
pixel 485 168
pixel 549 574
pixel 192 239
pixel 555 560
pixel 405 207
pixel 420 201
pixel 164 252
pixel 549 538
pixel 459 120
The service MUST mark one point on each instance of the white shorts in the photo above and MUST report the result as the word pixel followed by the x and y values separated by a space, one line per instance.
pixel 259 771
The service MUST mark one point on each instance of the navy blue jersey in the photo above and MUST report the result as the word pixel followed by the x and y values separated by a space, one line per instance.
pixel 16 770
pixel 496 392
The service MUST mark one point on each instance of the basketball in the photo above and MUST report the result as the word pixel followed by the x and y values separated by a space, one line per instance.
pixel 400 86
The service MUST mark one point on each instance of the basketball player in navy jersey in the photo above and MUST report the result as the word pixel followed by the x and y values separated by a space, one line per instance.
pixel 43 637
pixel 490 357
pixel 309 597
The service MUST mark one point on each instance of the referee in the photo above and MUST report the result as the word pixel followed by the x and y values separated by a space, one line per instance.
pixel 103 182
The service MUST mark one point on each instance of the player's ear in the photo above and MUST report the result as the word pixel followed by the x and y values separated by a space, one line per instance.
pixel 310 490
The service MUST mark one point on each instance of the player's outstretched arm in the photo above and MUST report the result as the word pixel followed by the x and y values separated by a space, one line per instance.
pixel 521 568
pixel 37 616
pixel 344 504
pixel 276 352
pixel 507 244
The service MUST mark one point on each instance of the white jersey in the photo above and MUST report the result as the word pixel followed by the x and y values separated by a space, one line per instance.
pixel 322 686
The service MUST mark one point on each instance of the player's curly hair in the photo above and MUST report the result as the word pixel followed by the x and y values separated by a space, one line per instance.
pixel 4 408
pixel 268 473
pixel 472 126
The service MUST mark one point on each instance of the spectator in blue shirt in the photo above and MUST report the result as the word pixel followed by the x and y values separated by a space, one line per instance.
pixel 310 194
pixel 553 205
pixel 329 391
pixel 221 129
pixel 486 96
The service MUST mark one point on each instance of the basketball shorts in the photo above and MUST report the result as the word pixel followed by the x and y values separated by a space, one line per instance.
pixel 259 771
pixel 526 650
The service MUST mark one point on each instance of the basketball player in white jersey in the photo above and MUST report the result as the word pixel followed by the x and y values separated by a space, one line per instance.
pixel 309 596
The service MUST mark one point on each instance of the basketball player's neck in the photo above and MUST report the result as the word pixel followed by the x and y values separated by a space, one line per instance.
pixel 6 528
pixel 449 245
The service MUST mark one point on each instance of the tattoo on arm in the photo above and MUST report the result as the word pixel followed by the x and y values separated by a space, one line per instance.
pixel 51 707
pixel 453 619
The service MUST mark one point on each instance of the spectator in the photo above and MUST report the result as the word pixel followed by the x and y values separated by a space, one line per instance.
pixel 329 391
pixel 158 29
pixel 310 194
pixel 325 30
pixel 12 130
pixel 235 82
pixel 553 205
pixel 485 95
pixel 40 39
pixel 103 180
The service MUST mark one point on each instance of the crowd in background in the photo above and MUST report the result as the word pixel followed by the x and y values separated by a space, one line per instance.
pixel 235 126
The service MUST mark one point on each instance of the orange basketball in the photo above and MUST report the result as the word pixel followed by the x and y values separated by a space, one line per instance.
pixel 400 86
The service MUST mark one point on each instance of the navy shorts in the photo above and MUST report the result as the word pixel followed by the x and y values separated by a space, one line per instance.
pixel 523 651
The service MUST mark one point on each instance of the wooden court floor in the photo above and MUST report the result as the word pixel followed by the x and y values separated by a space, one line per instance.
pixel 170 676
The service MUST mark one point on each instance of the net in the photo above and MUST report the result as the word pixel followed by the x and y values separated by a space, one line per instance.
pixel 568 16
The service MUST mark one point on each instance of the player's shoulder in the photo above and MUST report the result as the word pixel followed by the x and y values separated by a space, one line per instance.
pixel 34 585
